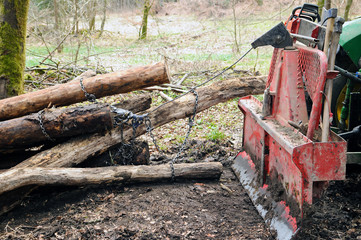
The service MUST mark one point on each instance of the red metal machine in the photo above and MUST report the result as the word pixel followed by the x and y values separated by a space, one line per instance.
pixel 284 165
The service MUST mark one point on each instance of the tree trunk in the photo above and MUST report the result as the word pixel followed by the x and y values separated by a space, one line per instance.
pixel 144 27
pixel 79 149
pixel 347 10
pixel 18 178
pixel 320 4
pixel 71 92
pixel 92 14
pixel 76 17
pixel 259 2
pixel 104 17
pixel 328 4
pixel 13 18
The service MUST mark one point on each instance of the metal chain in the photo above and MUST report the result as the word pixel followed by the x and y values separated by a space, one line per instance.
pixel 149 129
pixel 90 97
pixel 190 125
pixel 122 118
pixel 41 124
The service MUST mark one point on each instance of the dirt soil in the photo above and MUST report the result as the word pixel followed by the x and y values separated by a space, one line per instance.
pixel 181 210
pixel 216 209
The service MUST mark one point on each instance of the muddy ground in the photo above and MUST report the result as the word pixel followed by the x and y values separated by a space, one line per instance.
pixel 212 209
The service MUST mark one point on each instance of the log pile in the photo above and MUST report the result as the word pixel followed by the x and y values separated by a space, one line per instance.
pixel 62 138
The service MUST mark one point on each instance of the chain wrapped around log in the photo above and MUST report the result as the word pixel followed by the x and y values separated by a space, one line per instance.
pixel 58 124
pixel 71 92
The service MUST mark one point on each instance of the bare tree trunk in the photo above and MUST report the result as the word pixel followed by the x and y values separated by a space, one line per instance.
pixel 259 2
pixel 347 9
pixel 328 4
pixel 235 26
pixel 13 18
pixel 104 17
pixel 57 25
pixel 320 4
pixel 92 14
pixel 144 27
pixel 76 17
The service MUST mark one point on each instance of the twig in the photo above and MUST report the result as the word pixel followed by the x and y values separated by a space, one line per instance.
pixel 165 96
pixel 50 54
pixel 42 83
pixel 183 79
pixel 172 86
pixel 164 89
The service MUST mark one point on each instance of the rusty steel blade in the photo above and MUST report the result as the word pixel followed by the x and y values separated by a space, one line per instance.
pixel 276 214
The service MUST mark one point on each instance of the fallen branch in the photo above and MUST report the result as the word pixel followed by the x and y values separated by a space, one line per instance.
pixel 165 96
pixel 157 88
pixel 71 92
pixel 183 79
pixel 17 178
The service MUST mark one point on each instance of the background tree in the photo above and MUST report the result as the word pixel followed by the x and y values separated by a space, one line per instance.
pixel 13 18
pixel 144 27
pixel 320 4
pixel 347 9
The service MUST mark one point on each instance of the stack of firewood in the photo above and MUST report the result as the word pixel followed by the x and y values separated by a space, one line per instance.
pixel 74 134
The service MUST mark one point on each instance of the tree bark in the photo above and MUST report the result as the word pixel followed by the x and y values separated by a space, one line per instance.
pixel 57 124
pixel 13 18
pixel 53 125
pixel 320 4
pixel 71 92
pixel 18 178
pixel 79 149
pixel 347 9
pixel 104 17
pixel 92 14
pixel 76 14
pixel 144 27
pixel 328 4
pixel 136 104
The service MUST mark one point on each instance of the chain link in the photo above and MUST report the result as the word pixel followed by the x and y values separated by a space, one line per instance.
pixel 190 125
pixel 41 124
pixel 124 117
pixel 90 97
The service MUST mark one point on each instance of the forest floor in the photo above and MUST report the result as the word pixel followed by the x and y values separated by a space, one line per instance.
pixel 210 209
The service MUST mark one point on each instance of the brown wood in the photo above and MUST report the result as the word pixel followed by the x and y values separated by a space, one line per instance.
pixel 17 178
pixel 71 92
pixel 10 157
pixel 79 149
pixel 24 132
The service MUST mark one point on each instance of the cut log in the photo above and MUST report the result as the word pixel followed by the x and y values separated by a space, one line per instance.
pixel 57 124
pixel 17 178
pixel 136 104
pixel 53 125
pixel 79 149
pixel 71 92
